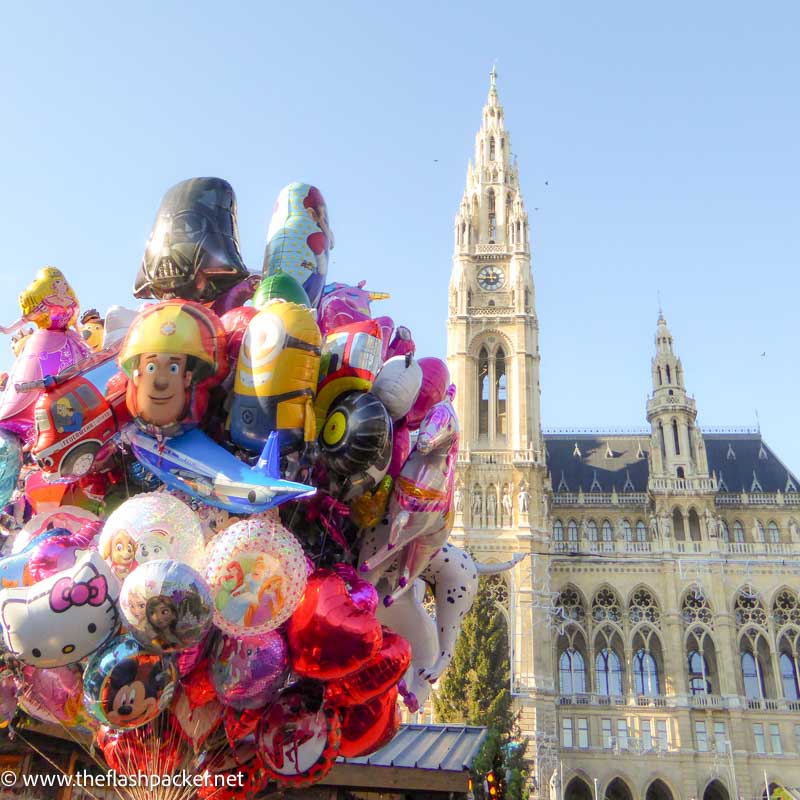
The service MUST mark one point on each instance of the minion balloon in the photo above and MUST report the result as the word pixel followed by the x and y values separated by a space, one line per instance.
pixel 276 379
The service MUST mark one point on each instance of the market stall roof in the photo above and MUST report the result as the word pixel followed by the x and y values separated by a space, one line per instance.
pixel 432 757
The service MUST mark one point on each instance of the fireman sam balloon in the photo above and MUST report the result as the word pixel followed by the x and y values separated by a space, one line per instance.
pixel 193 252
pixel 280 286
pixel 48 302
pixel 149 527
pixel 125 686
pixel 299 238
pixel 356 442
pixel 166 605
pixel 92 329
pixel 276 379
pixel 351 358
pixel 299 736
pixel 62 619
pixel 397 385
pixel 257 571
pixel 173 353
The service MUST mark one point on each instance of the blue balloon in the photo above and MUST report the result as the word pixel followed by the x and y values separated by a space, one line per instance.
pixel 13 573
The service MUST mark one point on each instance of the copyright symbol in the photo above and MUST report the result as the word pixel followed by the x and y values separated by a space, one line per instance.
pixel 8 777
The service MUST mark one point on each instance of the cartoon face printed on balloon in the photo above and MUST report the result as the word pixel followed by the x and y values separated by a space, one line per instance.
pixel 167 605
pixel 173 353
pixel 125 686
pixel 193 252
pixel 256 571
pixel 151 526
pixel 300 237
pixel 62 619
pixel 92 329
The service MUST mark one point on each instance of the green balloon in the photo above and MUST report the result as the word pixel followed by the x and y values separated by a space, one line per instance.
pixel 280 286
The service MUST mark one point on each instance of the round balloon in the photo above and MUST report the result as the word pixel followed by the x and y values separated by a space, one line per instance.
pixel 397 385
pixel 125 686
pixel 368 727
pixel 435 380
pixel 299 737
pixel 166 605
pixel 248 671
pixel 280 286
pixel 71 518
pixel 149 527
pixel 256 571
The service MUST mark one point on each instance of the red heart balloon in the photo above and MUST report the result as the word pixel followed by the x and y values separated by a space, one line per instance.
pixel 329 635
pixel 153 749
pixel 368 727
pixel 376 677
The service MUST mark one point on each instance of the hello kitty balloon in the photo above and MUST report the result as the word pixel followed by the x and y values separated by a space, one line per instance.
pixel 64 618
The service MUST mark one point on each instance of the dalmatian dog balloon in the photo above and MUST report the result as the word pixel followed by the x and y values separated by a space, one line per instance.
pixel 64 618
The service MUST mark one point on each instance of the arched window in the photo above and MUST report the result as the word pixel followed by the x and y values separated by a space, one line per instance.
pixel 669 378
pixel 591 530
pixel 558 531
pixel 607 533
pixel 641 532
pixel 698 673
pixel 572 531
pixel 608 673
pixel 490 200
pixel 645 674
pixel 571 672
pixel 491 149
pixel 500 389
pixel 677 525
pixel 662 440
pixel 660 382
pixel 724 530
pixel 773 533
pixel 753 676
pixel 681 473
pixel 738 532
pixel 627 531
pixel 759 532
pixel 675 436
pixel 791 687
pixel 483 393
pixel 694 526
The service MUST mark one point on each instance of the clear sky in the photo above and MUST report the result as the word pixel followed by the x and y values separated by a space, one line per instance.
pixel 668 135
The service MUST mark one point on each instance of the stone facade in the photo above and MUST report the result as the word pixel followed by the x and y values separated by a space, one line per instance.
pixel 654 629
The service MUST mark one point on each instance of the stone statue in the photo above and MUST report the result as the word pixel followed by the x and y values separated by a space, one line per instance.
pixel 793 532
pixel 477 506
pixel 458 499
pixel 491 508
pixel 508 507
pixel 523 498
pixel 711 524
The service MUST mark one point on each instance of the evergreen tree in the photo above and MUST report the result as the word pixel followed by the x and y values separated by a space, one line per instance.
pixel 476 690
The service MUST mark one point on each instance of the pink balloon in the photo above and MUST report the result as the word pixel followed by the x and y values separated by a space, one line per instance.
pixel 401 344
pixel 9 689
pixel 435 380
pixel 54 695
pixel 61 552
pixel 401 446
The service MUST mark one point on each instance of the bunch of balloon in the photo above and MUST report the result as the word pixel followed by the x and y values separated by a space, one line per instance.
pixel 216 504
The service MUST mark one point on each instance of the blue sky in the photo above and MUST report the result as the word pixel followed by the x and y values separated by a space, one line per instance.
pixel 668 135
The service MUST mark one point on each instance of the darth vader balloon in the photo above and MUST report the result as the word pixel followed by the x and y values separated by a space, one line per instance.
pixel 193 252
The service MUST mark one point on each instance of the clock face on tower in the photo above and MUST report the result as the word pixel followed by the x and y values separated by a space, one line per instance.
pixel 491 278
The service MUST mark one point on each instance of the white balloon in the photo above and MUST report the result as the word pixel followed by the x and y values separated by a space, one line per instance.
pixel 397 385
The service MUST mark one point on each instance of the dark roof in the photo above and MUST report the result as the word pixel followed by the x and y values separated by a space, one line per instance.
pixel 744 463
pixel 451 748
pixel 598 463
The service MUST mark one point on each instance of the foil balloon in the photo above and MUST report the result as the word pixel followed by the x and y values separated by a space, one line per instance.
pixel 435 379
pixel 54 695
pixel 276 379
pixel 256 570
pixel 64 618
pixel 397 385
pixel 70 518
pixel 148 750
pixel 92 329
pixel 355 443
pixel 235 323
pixel 197 722
pixel 299 238
pixel 342 304
pixel 193 252
pixel 48 301
pixel 125 686
pixel 330 636
pixel 402 343
pixel 174 352
pixel 59 552
pixel 351 358
pixel 299 737
pixel 148 527
pixel 166 605
pixel 236 296
pixel 368 727
pixel 15 569
pixel 9 691
pixel 280 286
pixel 369 509
pixel 401 448
pixel 10 465
pixel 248 671
pixel 376 677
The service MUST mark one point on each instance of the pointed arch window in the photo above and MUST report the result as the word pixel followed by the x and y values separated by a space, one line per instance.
pixel 572 531
pixel 773 533
pixel 627 531
pixel 483 393
pixel 492 148
pixel 641 532
pixel 675 437
pixel 660 381
pixel 608 673
pixel 753 676
pixel 698 673
pixel 500 391
pixel 791 687
pixel 662 440
pixel 558 531
pixel 645 674
pixel 571 672
pixel 738 532
pixel 669 376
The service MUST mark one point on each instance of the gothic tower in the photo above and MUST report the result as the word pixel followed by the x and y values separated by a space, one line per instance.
pixel 493 356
